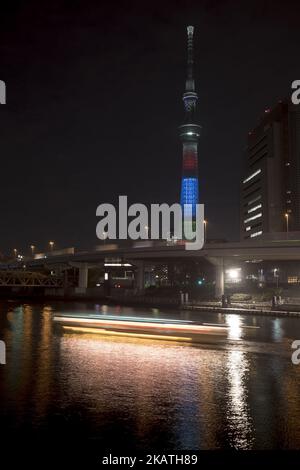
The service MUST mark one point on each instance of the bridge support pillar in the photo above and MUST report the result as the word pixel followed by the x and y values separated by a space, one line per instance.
pixel 83 276
pixel 219 286
pixel 139 276
pixel 220 281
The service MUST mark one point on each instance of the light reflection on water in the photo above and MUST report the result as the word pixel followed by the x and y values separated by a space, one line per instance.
pixel 240 425
pixel 152 393
pixel 160 384
pixel 234 323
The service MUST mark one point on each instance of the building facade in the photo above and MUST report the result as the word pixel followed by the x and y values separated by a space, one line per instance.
pixel 189 133
pixel 270 188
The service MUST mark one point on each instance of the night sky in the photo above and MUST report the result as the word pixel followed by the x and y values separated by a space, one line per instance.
pixel 94 101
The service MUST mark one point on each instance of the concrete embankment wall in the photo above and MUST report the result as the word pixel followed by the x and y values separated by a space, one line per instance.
pixel 279 312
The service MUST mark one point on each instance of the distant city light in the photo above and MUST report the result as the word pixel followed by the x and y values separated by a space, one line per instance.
pixel 234 274
pixel 117 264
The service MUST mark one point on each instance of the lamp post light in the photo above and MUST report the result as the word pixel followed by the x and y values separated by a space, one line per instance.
pixel 32 247
pixel 15 252
pixel 276 275
pixel 287 223
pixel 205 224
pixel 234 275
pixel 51 244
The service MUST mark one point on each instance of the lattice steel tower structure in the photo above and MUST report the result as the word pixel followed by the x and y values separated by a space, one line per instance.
pixel 189 133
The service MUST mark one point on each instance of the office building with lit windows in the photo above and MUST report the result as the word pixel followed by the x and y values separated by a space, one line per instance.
pixel 270 187
pixel 189 133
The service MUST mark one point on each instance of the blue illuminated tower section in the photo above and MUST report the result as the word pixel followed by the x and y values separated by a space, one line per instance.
pixel 189 135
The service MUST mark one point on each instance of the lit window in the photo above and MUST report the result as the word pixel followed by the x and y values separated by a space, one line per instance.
pixel 252 176
pixel 293 280
pixel 254 200
pixel 253 217
pixel 254 208
pixel 256 234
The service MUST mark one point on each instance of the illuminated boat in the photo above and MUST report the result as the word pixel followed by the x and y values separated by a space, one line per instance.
pixel 153 328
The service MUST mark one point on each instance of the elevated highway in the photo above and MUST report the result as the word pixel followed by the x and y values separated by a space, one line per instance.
pixel 140 253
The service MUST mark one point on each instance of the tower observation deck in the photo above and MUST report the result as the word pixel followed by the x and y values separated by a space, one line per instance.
pixel 189 133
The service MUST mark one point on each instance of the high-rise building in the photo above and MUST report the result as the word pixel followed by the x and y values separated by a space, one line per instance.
pixel 189 135
pixel 270 188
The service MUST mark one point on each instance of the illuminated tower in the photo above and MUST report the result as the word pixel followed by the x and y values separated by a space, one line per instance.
pixel 189 135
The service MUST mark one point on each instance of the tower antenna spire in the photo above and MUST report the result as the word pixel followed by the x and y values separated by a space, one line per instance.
pixel 190 96
pixel 190 82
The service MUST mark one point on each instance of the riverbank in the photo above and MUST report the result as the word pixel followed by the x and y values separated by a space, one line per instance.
pixel 242 310
pixel 143 301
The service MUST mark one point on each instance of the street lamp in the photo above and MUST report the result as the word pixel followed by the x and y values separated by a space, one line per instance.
pixel 276 275
pixel 51 244
pixel 205 223
pixel 287 223
pixel 32 247
pixel 15 252
pixel 234 275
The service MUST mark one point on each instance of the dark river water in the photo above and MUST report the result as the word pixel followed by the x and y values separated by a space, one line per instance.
pixel 242 392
